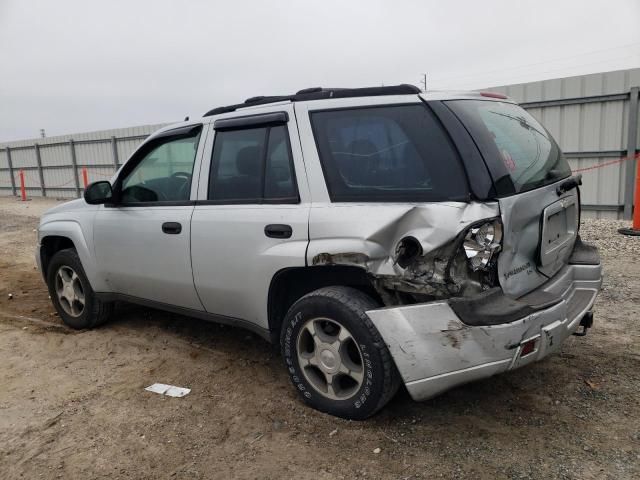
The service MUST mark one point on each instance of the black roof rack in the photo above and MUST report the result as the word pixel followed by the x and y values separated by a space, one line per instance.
pixel 319 93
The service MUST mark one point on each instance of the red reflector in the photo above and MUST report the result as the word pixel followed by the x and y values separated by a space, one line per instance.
pixel 527 348
pixel 493 95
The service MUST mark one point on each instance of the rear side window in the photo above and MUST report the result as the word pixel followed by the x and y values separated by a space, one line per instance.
pixel 252 165
pixel 390 153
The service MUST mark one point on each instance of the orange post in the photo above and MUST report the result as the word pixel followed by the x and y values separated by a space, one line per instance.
pixel 23 190
pixel 636 199
pixel 85 177
pixel 635 229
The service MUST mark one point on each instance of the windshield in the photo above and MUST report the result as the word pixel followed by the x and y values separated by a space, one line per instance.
pixel 520 153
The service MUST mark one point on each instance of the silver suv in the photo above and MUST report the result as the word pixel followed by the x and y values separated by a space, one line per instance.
pixel 379 235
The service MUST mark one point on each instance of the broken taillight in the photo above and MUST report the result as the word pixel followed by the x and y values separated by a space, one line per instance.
pixel 482 242
pixel 528 347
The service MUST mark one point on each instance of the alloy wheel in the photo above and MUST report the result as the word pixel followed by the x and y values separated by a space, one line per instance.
pixel 69 291
pixel 330 358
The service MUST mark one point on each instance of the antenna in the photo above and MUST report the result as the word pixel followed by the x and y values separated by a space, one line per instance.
pixel 424 82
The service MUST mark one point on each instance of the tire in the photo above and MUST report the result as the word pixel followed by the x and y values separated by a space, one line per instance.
pixel 65 273
pixel 317 364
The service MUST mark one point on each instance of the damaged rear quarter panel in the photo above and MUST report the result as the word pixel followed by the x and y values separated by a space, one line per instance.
pixel 366 234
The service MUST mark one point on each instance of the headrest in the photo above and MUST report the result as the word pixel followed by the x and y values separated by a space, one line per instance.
pixel 248 161
pixel 280 174
pixel 361 162
pixel 363 147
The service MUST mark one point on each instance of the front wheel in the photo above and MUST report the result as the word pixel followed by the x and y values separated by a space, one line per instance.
pixel 72 294
pixel 335 356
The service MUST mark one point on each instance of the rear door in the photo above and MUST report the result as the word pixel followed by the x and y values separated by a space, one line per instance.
pixel 251 219
pixel 539 204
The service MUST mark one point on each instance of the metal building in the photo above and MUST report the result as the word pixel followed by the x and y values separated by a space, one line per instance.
pixel 53 166
pixel 593 117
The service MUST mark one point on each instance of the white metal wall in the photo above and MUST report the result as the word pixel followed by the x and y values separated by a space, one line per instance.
pixel 59 161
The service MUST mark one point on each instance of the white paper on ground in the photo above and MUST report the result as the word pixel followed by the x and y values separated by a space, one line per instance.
pixel 170 390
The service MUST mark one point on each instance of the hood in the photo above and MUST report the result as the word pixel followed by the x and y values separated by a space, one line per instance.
pixel 73 205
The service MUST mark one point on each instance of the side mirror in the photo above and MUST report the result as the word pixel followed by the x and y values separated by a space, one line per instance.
pixel 97 193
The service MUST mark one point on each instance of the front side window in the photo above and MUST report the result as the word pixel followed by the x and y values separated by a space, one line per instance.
pixel 252 165
pixel 164 173
pixel 390 153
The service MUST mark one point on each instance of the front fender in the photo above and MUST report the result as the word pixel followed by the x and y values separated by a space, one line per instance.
pixel 83 243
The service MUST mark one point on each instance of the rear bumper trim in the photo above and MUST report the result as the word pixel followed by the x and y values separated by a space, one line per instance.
pixel 434 350
pixel 493 307
pixel 584 254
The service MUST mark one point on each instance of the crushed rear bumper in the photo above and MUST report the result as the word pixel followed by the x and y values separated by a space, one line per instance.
pixel 434 350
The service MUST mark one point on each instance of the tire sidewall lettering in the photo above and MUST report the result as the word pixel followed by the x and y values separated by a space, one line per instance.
pixel 291 361
pixel 359 399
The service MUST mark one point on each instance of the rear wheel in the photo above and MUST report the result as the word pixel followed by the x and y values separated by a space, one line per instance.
pixel 71 293
pixel 335 356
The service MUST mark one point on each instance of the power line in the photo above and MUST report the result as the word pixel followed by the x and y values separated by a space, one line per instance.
pixel 537 63
pixel 510 81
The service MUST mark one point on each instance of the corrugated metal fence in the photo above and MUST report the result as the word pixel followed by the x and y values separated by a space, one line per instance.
pixel 53 166
pixel 593 117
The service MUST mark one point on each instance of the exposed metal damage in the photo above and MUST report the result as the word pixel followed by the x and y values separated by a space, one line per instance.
pixel 421 255
pixel 434 350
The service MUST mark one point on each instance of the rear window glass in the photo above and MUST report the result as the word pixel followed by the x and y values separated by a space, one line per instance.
pixel 520 153
pixel 390 153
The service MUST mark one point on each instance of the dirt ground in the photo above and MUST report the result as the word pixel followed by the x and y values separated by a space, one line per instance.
pixel 73 405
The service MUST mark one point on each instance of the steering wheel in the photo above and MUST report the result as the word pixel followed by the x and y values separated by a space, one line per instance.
pixel 187 182
pixel 185 175
pixel 140 193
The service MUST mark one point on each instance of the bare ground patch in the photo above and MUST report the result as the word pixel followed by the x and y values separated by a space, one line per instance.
pixel 72 404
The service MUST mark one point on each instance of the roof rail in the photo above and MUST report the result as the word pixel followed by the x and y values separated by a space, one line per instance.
pixel 319 93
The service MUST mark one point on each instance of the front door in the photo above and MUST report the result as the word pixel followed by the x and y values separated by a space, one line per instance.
pixel 252 215
pixel 142 242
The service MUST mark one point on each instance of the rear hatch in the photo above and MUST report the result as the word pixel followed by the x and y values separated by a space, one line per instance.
pixel 539 202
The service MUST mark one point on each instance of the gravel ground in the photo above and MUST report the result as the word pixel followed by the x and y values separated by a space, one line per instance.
pixel 73 405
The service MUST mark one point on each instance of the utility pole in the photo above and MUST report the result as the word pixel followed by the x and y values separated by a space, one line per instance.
pixel 424 82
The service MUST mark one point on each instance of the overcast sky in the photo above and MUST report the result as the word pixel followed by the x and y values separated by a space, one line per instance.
pixel 79 65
